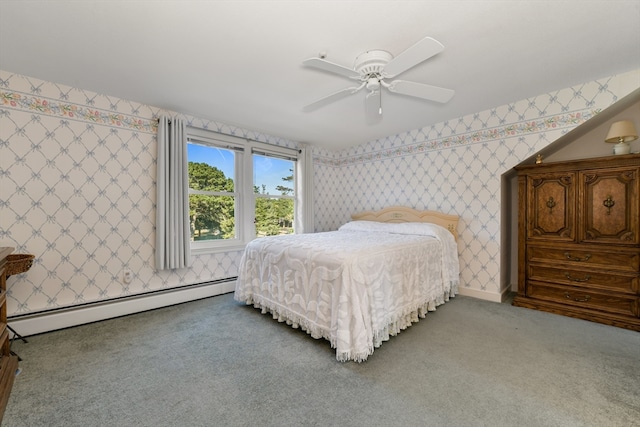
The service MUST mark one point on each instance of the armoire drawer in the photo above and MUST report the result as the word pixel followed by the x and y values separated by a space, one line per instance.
pixel 606 280
pixel 578 256
pixel 585 298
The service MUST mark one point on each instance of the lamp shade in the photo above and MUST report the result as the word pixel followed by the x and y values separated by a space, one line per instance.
pixel 622 131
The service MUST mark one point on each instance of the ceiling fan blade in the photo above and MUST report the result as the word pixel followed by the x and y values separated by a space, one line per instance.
pixel 420 90
pixel 325 65
pixel 333 97
pixel 421 51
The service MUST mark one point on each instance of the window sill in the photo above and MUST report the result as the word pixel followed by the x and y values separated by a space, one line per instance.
pixel 201 250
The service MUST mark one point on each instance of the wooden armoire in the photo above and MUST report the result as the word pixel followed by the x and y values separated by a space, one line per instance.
pixel 579 239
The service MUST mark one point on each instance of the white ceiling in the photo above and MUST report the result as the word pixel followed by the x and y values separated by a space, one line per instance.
pixel 240 62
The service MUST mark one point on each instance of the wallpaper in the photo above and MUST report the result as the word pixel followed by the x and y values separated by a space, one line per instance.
pixel 456 167
pixel 78 191
pixel 78 184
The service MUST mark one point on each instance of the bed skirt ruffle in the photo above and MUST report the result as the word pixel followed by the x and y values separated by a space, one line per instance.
pixel 393 325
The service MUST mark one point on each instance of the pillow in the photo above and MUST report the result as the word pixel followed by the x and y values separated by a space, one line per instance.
pixel 418 228
pixel 364 226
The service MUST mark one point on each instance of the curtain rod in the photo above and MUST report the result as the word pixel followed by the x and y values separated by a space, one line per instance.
pixel 246 138
pixel 298 150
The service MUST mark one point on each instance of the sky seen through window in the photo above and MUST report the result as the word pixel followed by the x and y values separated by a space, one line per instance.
pixel 266 170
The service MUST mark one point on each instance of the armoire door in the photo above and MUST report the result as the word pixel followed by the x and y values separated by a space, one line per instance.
pixel 610 208
pixel 551 207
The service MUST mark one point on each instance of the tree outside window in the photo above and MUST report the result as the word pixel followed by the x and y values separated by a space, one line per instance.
pixel 214 193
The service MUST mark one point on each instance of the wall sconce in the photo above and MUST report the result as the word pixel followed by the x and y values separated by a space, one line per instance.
pixel 621 133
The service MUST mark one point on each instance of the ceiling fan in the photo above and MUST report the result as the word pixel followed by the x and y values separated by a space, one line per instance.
pixel 372 69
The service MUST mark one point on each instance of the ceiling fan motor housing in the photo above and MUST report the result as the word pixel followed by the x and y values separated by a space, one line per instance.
pixel 371 62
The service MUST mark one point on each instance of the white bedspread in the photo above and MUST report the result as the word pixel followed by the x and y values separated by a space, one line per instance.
pixel 355 287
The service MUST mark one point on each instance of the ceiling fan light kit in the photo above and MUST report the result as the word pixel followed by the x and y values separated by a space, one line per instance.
pixel 372 67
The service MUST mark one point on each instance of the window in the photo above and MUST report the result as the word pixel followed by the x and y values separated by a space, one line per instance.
pixel 211 192
pixel 274 189
pixel 238 190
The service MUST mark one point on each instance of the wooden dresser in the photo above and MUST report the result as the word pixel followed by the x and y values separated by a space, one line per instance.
pixel 579 239
pixel 8 362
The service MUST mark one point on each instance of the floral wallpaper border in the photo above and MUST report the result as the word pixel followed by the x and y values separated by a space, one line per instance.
pixel 51 107
pixel 569 120
pixel 43 105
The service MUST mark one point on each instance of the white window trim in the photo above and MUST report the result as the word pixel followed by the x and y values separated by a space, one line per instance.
pixel 244 162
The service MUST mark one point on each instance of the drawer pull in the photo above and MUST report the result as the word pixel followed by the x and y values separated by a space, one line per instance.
pixel 571 258
pixel 551 204
pixel 608 203
pixel 584 298
pixel 575 279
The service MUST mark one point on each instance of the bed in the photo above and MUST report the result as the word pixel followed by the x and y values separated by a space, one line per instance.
pixel 357 286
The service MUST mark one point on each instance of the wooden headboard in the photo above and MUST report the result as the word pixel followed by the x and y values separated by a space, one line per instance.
pixel 405 214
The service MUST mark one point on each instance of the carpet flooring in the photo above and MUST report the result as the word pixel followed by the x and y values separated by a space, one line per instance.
pixel 215 362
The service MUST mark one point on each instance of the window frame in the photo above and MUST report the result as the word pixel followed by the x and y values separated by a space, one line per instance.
pixel 278 155
pixel 245 197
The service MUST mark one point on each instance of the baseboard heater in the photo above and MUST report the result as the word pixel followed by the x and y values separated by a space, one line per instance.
pixel 64 317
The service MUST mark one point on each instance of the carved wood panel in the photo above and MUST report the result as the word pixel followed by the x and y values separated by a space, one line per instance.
pixel 551 202
pixel 610 207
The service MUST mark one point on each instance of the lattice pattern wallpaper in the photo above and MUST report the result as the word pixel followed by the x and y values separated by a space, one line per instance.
pixel 78 191
pixel 456 167
pixel 78 184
